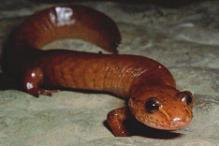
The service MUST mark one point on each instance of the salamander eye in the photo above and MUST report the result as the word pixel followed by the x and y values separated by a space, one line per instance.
pixel 152 105
pixel 186 97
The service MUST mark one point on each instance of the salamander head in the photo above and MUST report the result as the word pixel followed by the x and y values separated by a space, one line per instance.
pixel 162 107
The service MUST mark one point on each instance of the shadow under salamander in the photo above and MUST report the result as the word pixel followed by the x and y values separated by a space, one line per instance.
pixel 7 83
pixel 135 128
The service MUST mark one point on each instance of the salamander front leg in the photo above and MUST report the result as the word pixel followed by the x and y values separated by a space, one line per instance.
pixel 32 81
pixel 116 120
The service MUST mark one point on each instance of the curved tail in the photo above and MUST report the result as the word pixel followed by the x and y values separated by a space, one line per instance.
pixel 68 22
pixel 59 22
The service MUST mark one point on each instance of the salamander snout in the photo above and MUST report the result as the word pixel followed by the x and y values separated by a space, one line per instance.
pixel 162 108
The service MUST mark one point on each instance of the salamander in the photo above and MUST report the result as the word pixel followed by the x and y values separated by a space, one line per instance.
pixel 149 87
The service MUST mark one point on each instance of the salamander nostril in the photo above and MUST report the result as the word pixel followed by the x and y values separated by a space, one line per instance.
pixel 152 105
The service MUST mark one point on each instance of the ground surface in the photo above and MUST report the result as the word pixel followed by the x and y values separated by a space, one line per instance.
pixel 186 40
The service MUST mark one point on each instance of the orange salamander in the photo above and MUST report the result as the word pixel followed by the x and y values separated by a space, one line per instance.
pixel 153 99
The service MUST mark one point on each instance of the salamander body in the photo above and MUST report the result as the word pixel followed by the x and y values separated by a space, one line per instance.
pixel 151 90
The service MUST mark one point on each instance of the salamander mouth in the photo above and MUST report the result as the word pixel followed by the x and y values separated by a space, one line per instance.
pixel 171 125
